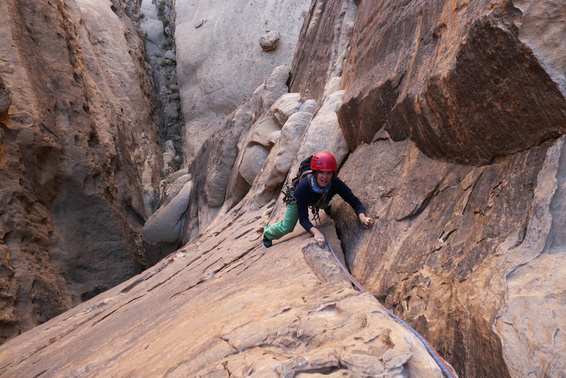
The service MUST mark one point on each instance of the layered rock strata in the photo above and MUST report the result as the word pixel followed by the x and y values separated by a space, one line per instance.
pixel 464 252
pixel 461 169
pixel 447 248
pixel 79 157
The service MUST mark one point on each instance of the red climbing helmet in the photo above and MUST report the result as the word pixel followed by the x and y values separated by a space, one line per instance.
pixel 323 161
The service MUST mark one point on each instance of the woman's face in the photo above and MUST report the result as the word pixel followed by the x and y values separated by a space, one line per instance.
pixel 323 178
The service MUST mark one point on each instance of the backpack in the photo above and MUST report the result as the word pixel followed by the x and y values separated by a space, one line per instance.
pixel 289 189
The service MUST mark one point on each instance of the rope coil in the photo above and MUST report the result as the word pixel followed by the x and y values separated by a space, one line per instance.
pixel 446 368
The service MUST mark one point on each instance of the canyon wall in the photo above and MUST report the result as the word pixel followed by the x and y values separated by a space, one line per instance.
pixel 80 162
pixel 446 118
pixel 453 111
pixel 220 58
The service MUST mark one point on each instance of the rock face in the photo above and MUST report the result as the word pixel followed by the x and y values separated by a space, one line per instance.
pixel 454 77
pixel 446 118
pixel 450 232
pixel 464 253
pixel 79 156
pixel 220 62
pixel 225 306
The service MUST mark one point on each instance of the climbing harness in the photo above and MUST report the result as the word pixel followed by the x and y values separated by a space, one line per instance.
pixel 446 368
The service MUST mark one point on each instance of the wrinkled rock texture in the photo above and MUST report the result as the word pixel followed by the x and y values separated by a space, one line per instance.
pixel 226 306
pixel 452 120
pixel 79 162
pixel 470 253
pixel 446 118
pixel 220 61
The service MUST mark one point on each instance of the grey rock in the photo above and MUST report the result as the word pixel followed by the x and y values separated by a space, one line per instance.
pixel 269 41
pixel 170 55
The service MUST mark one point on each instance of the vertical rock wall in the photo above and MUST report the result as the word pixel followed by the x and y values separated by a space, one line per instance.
pixel 220 60
pixel 461 251
pixel 79 158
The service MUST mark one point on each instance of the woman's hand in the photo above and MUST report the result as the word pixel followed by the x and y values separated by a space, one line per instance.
pixel 318 237
pixel 367 222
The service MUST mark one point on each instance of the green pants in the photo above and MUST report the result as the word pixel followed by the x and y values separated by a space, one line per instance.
pixel 285 226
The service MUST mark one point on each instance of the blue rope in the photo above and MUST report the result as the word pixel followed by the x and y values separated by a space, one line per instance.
pixel 446 368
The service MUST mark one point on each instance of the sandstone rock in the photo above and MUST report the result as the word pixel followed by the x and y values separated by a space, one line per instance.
pixel 220 64
pixel 447 249
pixel 218 157
pixel 277 165
pixel 284 107
pixel 324 133
pixel 79 163
pixel 168 158
pixel 162 232
pixel 286 320
pixel 152 27
pixel 170 55
pixel 542 29
pixel 468 255
pixel 322 46
pixel 448 244
pixel 460 85
pixel 172 111
pixel 252 162
pixel 270 41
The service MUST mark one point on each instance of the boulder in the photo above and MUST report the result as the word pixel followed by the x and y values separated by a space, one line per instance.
pixel 162 232
pixel 453 77
pixel 269 41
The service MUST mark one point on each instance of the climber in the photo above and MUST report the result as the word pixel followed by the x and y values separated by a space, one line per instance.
pixel 315 189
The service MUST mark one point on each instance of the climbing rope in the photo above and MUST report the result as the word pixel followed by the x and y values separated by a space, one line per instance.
pixel 446 368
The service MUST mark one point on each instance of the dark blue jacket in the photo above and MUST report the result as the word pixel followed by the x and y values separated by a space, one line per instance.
pixel 306 196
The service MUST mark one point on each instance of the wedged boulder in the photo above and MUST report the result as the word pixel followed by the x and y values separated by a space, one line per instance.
pixel 270 40
pixel 455 78
pixel 163 231
pixel 464 254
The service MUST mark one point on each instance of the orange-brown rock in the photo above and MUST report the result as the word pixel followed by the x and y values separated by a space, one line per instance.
pixel 226 306
pixel 454 77
pixel 79 159
pixel 447 245
pixel 453 113
pixel 466 254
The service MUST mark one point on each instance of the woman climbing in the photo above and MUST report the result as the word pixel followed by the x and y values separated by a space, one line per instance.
pixel 315 190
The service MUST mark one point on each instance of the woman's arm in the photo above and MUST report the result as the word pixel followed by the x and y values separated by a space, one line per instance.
pixel 346 193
